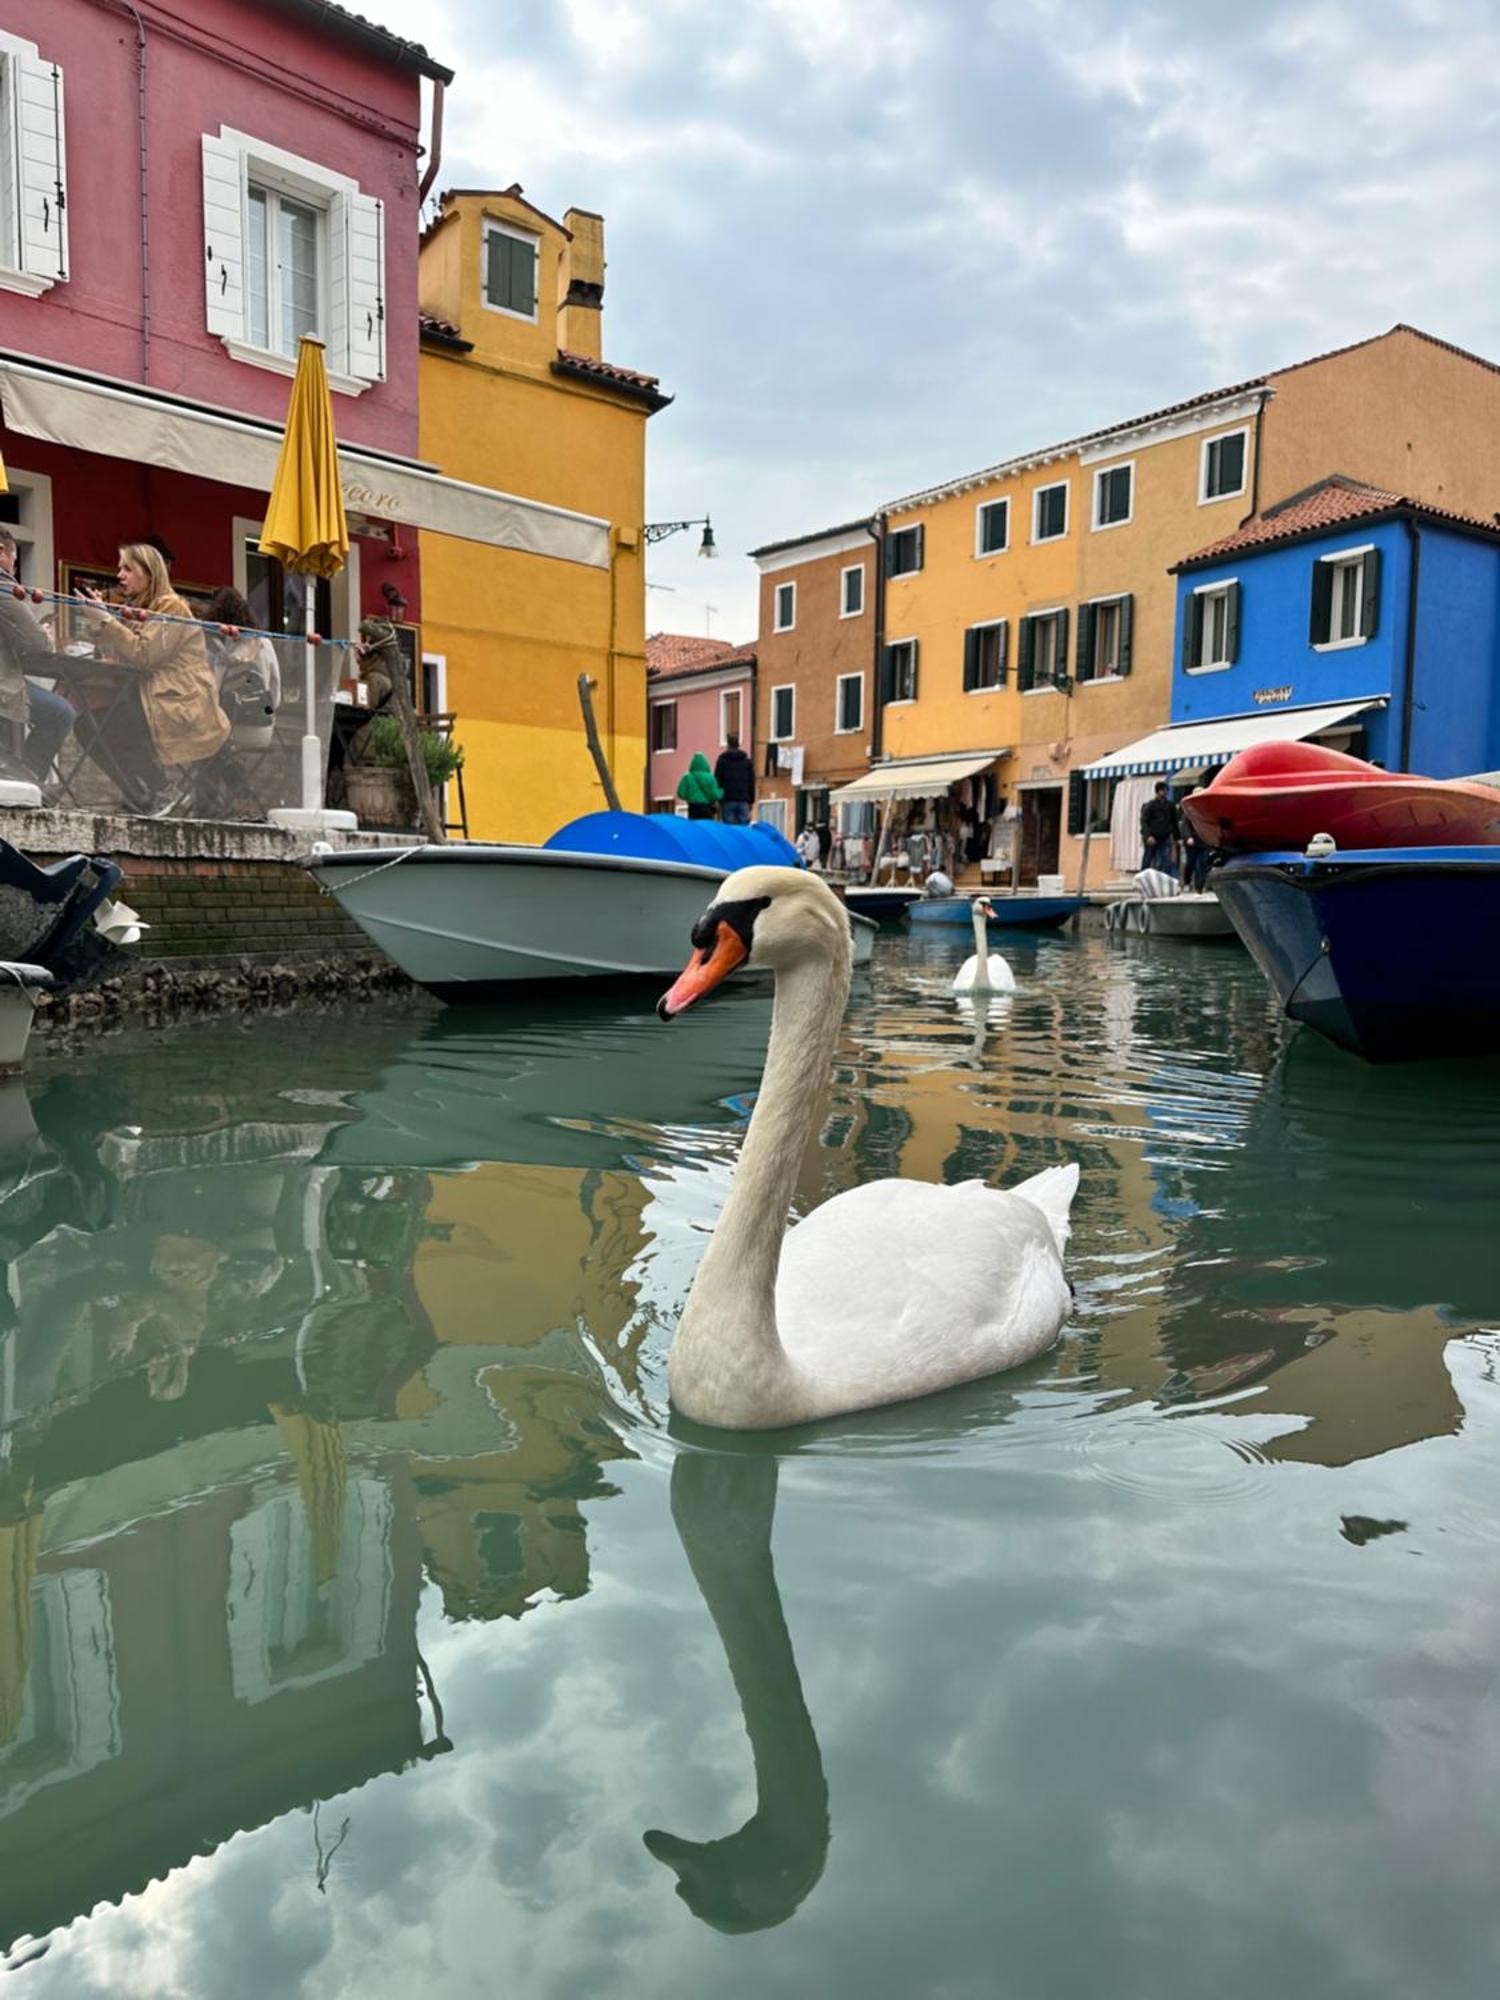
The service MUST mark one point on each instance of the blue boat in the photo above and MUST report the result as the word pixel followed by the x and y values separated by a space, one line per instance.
pixel 1391 952
pixel 1021 909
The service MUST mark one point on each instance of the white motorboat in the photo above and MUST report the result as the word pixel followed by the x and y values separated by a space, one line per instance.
pixel 610 896
pixel 1160 907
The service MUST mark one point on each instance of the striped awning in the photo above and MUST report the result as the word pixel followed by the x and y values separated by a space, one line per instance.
pixel 916 777
pixel 1193 743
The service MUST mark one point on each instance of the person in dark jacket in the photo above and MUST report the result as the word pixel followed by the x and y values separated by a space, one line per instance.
pixel 1158 830
pixel 699 788
pixel 736 776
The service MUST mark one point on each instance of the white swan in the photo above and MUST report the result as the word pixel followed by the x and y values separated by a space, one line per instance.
pixel 986 971
pixel 889 1291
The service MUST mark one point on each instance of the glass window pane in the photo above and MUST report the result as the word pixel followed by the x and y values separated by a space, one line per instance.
pixel 258 272
pixel 297 248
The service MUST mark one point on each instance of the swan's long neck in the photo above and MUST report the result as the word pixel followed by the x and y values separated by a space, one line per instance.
pixel 728 1365
pixel 981 950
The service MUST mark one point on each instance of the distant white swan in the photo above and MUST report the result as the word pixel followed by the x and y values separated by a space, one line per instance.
pixel 889 1291
pixel 986 971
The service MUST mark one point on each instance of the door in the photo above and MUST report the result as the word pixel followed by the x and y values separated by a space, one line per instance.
pixel 1041 833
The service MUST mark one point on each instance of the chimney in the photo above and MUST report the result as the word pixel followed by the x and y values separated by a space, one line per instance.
pixel 580 305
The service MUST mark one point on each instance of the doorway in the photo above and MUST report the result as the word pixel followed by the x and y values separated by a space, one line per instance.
pixel 1041 833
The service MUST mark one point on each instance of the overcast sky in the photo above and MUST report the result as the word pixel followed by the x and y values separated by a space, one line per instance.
pixel 869 246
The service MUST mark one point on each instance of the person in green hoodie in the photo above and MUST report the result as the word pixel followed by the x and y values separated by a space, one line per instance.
pixel 700 788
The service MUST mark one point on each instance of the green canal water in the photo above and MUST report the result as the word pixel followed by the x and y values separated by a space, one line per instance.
pixel 368 1625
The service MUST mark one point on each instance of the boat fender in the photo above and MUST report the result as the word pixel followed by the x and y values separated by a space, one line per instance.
pixel 1319 845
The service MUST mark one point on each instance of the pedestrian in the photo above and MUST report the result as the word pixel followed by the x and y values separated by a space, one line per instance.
pixel 810 847
pixel 1158 827
pixel 735 775
pixel 42 713
pixel 700 788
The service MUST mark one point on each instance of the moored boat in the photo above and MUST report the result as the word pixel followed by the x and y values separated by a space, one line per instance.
pixel 1393 953
pixel 881 905
pixel 610 895
pixel 1280 795
pixel 1023 908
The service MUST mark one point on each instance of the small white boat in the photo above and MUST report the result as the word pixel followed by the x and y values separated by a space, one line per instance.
pixel 1160 907
pixel 20 986
pixel 610 896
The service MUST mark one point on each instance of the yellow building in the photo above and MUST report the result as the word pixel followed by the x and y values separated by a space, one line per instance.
pixel 515 395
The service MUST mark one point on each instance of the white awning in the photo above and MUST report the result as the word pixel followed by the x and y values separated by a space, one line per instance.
pixel 915 777
pixel 123 422
pixel 1190 743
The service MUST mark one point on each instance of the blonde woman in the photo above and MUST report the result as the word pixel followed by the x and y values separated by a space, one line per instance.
pixel 167 719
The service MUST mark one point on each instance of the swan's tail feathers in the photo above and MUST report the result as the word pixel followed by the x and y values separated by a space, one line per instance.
pixel 1052 1191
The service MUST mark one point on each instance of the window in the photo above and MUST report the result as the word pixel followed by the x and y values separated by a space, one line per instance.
pixel 1114 496
pixel 852 591
pixel 1211 628
pixel 985 656
pixel 1104 631
pixel 290 247
pixel 731 713
pixel 772 812
pixel 1042 650
pixel 783 713
pixel 1223 470
pixel 664 725
pixel 33 194
pixel 510 265
pixel 1049 512
pixel 899 673
pixel 785 613
pixel 1345 598
pixel 903 551
pixel 992 528
pixel 850 706
pixel 856 818
pixel 27 511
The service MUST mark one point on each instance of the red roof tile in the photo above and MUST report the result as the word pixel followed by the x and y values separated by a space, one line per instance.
pixel 1333 503
pixel 646 387
pixel 443 331
pixel 412 54
pixel 681 653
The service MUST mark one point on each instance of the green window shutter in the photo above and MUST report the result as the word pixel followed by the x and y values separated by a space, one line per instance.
pixel 886 679
pixel 1078 794
pixel 1192 630
pixel 1369 610
pixel 1320 622
pixel 1002 653
pixel 971 660
pixel 1127 622
pixel 916 653
pixel 1060 652
pixel 1232 624
pixel 1025 655
pixel 1083 669
pixel 917 546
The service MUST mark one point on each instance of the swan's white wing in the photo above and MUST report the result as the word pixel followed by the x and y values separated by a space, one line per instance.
pixel 899 1287
pixel 1002 979
pixel 968 972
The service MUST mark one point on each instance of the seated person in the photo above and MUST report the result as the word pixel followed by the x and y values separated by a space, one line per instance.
pixel 246 669
pixel 167 718
pixel 44 715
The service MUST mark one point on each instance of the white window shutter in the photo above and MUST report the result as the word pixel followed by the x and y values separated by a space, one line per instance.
pixel 364 283
pixel 224 237
pixel 43 191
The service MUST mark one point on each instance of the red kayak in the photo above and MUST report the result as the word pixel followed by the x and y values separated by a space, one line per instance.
pixel 1277 795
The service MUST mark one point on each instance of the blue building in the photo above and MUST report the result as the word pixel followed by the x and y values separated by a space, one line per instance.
pixel 1346 615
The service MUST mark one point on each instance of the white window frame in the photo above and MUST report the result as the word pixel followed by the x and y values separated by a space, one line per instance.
pixel 1221 589
pixel 1117 597
pixel 853 569
pixel 1050 613
pixel 778 592
pixel 840 727
pixel 987 625
pixel 16 56
pixel 981 553
pixel 901 700
pixel 917 528
pixel 773 812
pixel 664 749
pixel 1346 560
pixel 33 531
pixel 1207 499
pixel 1036 509
pixel 273 195
pixel 773 734
pixel 1101 473
pixel 494 226
pixel 739 729
pixel 344 591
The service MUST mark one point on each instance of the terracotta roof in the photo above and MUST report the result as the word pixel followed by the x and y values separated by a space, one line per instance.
pixel 411 54
pixel 818 535
pixel 1335 502
pixel 645 388
pixel 681 653
pixel 442 332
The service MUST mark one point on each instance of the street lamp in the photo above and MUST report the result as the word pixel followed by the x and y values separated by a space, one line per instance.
pixel 658 531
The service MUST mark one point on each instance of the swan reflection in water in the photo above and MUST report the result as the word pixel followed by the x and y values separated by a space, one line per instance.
pixel 723 1505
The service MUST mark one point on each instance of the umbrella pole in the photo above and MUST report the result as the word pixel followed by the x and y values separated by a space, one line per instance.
pixel 312 747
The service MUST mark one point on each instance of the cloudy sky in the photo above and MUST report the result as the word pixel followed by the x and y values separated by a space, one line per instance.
pixel 869 246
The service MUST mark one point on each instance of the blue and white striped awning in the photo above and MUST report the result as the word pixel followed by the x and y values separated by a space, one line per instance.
pixel 1193 743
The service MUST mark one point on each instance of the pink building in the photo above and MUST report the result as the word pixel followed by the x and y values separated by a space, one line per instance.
pixel 699 693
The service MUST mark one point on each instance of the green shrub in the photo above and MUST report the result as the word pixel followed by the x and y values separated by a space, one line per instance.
pixel 382 744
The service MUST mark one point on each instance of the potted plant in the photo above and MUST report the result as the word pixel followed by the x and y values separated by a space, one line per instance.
pixel 378 781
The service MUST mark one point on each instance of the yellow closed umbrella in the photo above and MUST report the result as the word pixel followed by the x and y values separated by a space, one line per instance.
pixel 306 530
pixel 317 1450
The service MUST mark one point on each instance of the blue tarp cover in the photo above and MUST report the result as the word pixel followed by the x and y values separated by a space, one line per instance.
pixel 702 843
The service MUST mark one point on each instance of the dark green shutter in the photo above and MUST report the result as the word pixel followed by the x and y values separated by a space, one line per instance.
pixel 916 651
pixel 1087 617
pixel 1060 651
pixel 1320 623
pixel 1192 630
pixel 1078 797
pixel 886 680
pixel 920 536
pixel 1127 620
pixel 1002 653
pixel 971 660
pixel 1232 625
pixel 1369 610
pixel 1025 653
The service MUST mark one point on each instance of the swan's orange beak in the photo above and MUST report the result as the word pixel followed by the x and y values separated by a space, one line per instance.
pixel 704 971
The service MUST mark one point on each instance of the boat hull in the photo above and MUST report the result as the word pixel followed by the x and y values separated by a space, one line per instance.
pixel 1193 916
pixel 1020 911
pixel 1391 953
pixel 882 906
pixel 468 920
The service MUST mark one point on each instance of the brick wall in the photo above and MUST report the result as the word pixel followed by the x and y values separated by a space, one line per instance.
pixel 266 911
